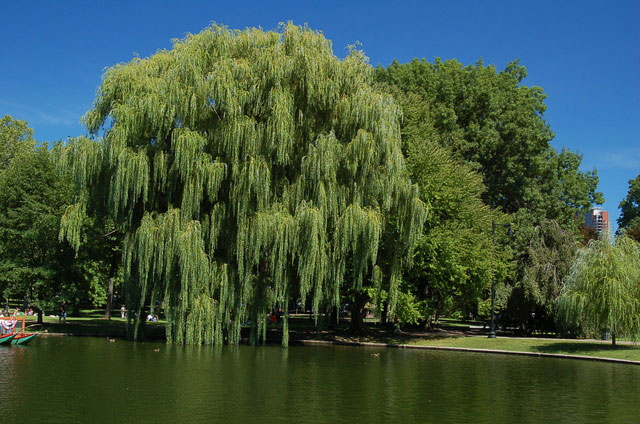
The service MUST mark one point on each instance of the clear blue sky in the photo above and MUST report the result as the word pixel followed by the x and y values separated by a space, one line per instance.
pixel 585 54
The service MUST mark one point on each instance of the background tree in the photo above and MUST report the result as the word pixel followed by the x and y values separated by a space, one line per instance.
pixel 16 137
pixel 633 230
pixel 550 255
pixel 243 167
pixel 98 264
pixel 495 123
pixel 629 219
pixel 602 290
pixel 455 258
pixel 32 200
pixel 587 234
pixel 34 264
pixel 492 122
pixel 96 239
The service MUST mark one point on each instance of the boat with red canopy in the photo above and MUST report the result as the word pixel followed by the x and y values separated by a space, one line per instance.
pixel 12 333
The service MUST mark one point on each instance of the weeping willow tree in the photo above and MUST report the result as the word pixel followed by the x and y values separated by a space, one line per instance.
pixel 546 262
pixel 602 290
pixel 243 168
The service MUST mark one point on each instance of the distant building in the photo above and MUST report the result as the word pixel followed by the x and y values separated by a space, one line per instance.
pixel 598 220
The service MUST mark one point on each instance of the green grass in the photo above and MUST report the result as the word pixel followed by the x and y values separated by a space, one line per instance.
pixel 456 323
pixel 556 346
pixel 91 323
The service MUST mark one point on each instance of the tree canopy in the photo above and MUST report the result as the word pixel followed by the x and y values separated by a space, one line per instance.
pixel 32 200
pixel 245 168
pixel 495 123
pixel 455 258
pixel 16 137
pixel 34 264
pixel 492 122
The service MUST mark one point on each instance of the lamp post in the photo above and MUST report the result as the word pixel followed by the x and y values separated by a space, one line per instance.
pixel 492 333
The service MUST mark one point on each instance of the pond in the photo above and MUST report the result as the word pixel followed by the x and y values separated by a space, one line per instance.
pixel 67 379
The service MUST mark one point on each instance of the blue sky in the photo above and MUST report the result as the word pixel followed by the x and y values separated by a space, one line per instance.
pixel 585 54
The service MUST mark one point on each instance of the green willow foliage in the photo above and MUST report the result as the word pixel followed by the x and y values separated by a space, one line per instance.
pixel 16 138
pixel 245 167
pixel 602 290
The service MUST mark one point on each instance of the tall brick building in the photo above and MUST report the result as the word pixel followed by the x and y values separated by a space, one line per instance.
pixel 598 220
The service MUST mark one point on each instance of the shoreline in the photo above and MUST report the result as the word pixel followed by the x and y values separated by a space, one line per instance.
pixel 304 340
pixel 465 349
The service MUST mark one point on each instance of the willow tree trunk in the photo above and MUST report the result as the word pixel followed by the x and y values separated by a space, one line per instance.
pixel 136 325
pixel 357 311
pixel 385 311
pixel 40 313
pixel 613 339
pixel 107 312
pixel 331 317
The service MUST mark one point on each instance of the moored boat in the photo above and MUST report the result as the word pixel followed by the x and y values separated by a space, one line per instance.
pixel 6 338
pixel 17 334
pixel 23 338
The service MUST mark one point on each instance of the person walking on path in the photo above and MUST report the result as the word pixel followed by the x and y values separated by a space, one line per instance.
pixel 63 312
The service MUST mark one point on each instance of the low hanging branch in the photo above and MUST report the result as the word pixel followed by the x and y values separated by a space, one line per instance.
pixel 244 167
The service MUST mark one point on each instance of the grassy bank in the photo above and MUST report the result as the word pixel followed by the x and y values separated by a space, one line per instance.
pixel 93 325
pixel 630 352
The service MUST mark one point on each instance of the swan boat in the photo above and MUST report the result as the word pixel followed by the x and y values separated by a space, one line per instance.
pixel 14 335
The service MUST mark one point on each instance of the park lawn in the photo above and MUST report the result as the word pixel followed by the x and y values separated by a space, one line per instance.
pixel 556 346
pixel 460 321
pixel 85 319
pixel 91 325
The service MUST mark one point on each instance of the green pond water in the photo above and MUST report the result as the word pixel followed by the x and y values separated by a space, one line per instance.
pixel 67 379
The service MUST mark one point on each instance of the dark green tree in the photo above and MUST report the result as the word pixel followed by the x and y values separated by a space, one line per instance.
pixel 495 123
pixel 455 258
pixel 16 137
pixel 32 200
pixel 548 258
pixel 629 220
pixel 34 264
pixel 97 264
